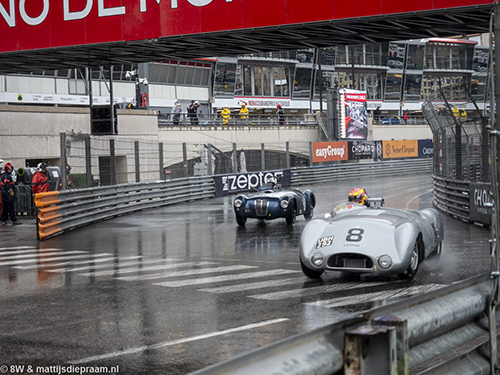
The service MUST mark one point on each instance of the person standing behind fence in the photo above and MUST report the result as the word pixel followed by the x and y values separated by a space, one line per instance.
pixel 9 195
pixel 193 112
pixel 40 181
pixel 376 115
pixel 463 115
pixel 281 114
pixel 226 115
pixel 176 112
pixel 243 111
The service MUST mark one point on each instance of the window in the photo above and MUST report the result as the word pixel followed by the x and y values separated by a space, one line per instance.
pixel 415 59
pixel 397 53
pixel 280 78
pixel 412 87
pixel 302 83
pixel 393 86
pixel 225 78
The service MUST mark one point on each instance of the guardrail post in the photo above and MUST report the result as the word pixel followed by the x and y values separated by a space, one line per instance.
pixel 88 162
pixel 288 154
pixel 184 159
pixel 209 159
pixel 402 346
pixel 262 157
pixel 160 153
pixel 370 350
pixel 112 162
pixel 64 161
pixel 137 161
pixel 235 159
pixel 310 154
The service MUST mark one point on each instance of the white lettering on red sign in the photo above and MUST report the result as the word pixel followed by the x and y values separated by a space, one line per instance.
pixel 10 15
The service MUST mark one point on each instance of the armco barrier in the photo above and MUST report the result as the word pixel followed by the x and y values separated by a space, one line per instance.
pixel 347 171
pixel 452 197
pixel 440 333
pixel 58 211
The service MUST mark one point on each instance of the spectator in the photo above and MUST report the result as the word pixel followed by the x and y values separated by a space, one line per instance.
pixel 40 181
pixel 376 115
pixel 176 112
pixel 9 195
pixel 281 114
pixel 243 111
pixel 463 115
pixel 226 115
pixel 406 117
pixel 193 112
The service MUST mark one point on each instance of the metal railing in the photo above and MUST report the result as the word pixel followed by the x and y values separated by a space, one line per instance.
pixel 452 197
pixel 59 211
pixel 445 330
pixel 235 120
pixel 347 171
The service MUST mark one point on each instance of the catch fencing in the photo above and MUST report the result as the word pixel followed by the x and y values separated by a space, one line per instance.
pixel 461 147
pixel 90 161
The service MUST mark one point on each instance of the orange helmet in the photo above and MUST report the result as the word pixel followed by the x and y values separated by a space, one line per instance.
pixel 358 195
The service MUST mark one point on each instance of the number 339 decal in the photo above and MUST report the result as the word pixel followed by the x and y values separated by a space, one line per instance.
pixel 355 235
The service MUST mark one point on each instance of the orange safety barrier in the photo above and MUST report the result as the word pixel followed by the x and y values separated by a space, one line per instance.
pixel 47 199
pixel 46 214
pixel 45 230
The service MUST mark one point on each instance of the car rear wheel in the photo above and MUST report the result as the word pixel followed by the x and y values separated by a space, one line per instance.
pixel 312 274
pixel 309 215
pixel 412 269
pixel 241 220
pixel 292 216
pixel 438 250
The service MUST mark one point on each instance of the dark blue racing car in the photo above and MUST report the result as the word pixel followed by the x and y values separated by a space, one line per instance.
pixel 274 201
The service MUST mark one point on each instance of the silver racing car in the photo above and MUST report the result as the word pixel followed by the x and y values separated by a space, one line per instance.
pixel 355 238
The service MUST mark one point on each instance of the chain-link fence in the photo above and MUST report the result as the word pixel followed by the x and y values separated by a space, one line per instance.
pixel 460 139
pixel 107 160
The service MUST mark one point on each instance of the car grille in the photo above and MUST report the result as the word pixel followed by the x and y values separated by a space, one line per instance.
pixel 348 260
pixel 261 206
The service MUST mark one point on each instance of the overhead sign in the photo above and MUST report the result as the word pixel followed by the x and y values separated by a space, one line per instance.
pixel 26 25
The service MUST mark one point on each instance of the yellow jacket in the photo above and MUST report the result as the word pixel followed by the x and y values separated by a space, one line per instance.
pixel 226 113
pixel 244 112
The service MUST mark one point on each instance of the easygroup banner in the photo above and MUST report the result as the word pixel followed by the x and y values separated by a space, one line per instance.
pixel 233 183
pixel 400 149
pixel 30 25
pixel 330 151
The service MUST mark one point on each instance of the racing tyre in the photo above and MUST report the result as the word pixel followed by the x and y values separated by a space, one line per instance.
pixel 438 250
pixel 312 274
pixel 241 220
pixel 309 216
pixel 290 219
pixel 412 269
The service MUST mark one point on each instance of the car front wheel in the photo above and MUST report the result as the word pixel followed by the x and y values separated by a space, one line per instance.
pixel 290 219
pixel 412 269
pixel 241 220
pixel 312 274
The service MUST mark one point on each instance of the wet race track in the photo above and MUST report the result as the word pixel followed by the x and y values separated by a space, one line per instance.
pixel 175 289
